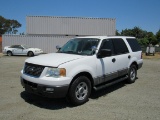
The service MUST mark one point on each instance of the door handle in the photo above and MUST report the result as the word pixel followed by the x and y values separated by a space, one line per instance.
pixel 113 60
pixel 129 56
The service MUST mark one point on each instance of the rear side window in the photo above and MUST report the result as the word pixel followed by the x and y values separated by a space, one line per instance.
pixel 119 46
pixel 134 44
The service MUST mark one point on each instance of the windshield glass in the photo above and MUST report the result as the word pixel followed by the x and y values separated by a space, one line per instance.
pixel 25 47
pixel 81 46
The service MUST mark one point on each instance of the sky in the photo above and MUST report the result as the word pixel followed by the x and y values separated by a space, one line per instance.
pixel 144 14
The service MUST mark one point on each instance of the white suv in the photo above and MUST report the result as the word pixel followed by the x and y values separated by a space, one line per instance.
pixel 83 64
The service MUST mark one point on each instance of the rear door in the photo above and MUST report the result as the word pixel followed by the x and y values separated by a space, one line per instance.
pixel 122 55
pixel 115 65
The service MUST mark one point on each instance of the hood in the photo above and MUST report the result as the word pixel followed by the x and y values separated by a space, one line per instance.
pixel 53 59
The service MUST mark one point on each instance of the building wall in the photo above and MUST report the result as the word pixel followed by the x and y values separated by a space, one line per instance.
pixel 46 32
pixel 70 25
pixel 46 43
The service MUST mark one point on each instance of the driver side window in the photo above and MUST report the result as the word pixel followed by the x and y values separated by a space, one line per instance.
pixel 19 47
pixel 107 44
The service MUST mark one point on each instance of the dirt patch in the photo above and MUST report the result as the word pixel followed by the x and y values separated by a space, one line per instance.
pixel 156 56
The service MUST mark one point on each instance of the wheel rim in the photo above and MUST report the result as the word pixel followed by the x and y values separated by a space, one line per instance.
pixel 81 91
pixel 133 74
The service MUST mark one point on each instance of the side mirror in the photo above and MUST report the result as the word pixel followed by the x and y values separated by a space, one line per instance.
pixel 104 53
pixel 58 47
pixel 94 48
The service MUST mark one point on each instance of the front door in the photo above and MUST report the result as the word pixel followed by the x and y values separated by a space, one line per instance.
pixel 17 50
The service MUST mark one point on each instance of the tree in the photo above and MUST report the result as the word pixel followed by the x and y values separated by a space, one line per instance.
pixel 158 35
pixel 8 26
pixel 117 33
pixel 135 32
pixel 151 38
pixel 2 25
pixel 143 41
pixel 139 33
pixel 127 32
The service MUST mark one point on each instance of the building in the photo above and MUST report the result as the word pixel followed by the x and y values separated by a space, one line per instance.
pixel 46 32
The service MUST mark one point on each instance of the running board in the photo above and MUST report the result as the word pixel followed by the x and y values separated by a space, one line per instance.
pixel 96 88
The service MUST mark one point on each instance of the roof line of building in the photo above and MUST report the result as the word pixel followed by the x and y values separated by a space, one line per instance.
pixel 73 17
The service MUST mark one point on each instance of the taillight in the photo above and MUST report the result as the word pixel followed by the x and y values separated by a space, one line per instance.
pixel 141 55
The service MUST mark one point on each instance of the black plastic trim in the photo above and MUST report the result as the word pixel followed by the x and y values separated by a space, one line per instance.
pixel 39 89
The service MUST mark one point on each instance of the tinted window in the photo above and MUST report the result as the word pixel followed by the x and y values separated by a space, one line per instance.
pixel 119 46
pixel 134 44
pixel 107 44
pixel 15 46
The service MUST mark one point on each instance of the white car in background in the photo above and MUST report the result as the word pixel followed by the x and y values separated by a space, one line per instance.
pixel 21 50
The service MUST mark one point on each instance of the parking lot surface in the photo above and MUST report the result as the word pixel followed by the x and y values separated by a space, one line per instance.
pixel 137 101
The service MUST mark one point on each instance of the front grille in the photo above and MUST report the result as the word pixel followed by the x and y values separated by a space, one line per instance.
pixel 33 70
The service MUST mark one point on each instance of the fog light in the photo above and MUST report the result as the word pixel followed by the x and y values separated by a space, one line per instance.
pixel 50 89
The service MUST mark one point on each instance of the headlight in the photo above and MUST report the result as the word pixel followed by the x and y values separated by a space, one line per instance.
pixel 56 72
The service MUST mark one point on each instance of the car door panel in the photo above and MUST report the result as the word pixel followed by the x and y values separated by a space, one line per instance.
pixel 25 51
pixel 112 66
pixel 106 69
pixel 17 51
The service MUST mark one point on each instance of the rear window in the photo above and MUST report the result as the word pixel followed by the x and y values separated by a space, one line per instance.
pixel 134 44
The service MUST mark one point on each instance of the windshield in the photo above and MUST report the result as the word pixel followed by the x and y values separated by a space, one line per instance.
pixel 25 47
pixel 81 46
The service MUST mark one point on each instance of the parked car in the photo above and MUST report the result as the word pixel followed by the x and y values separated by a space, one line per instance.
pixel 81 65
pixel 21 50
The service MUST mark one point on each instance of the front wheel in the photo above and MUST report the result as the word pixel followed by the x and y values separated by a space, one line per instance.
pixel 132 74
pixel 80 90
pixel 9 53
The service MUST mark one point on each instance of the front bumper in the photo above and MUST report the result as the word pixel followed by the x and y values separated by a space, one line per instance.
pixel 45 90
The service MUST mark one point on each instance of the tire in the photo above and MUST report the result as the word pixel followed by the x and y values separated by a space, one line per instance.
pixel 132 74
pixel 30 54
pixel 79 91
pixel 9 53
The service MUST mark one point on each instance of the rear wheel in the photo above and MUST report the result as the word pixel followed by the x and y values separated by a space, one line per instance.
pixel 132 74
pixel 9 53
pixel 79 91
pixel 30 54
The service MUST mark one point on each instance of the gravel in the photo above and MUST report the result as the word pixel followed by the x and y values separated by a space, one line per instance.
pixel 137 101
